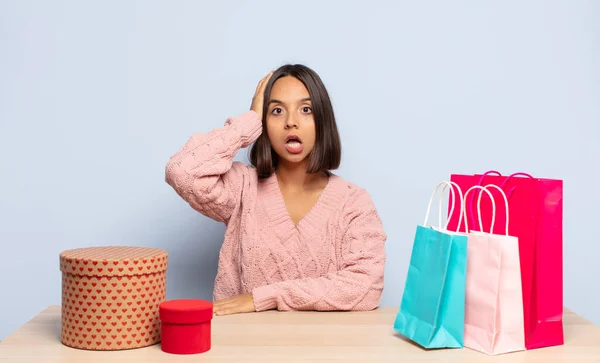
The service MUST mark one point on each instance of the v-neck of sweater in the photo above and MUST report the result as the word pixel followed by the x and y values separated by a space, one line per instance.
pixel 314 220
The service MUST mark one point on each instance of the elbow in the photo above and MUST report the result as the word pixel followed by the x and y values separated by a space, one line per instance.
pixel 178 178
pixel 363 296
pixel 373 290
pixel 371 300
pixel 173 173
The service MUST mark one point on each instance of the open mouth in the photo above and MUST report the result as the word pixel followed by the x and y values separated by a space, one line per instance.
pixel 293 140
pixel 293 144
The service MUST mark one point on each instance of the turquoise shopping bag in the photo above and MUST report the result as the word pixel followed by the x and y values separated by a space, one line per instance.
pixel 432 311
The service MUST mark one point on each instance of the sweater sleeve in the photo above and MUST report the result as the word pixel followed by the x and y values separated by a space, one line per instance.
pixel 203 173
pixel 357 285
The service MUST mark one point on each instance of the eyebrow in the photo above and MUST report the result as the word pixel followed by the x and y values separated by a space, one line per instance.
pixel 278 101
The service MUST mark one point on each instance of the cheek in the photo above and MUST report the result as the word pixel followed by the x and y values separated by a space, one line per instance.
pixel 275 136
pixel 311 133
pixel 271 130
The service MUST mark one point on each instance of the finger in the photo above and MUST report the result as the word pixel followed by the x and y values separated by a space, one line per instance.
pixel 266 78
pixel 224 305
pixel 227 311
pixel 259 84
pixel 264 81
pixel 221 303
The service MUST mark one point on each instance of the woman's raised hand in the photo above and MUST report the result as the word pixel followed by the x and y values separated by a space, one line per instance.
pixel 258 99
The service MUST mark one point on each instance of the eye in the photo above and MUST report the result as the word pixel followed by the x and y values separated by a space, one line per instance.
pixel 306 109
pixel 277 111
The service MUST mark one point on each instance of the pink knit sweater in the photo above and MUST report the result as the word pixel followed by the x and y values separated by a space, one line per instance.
pixel 333 259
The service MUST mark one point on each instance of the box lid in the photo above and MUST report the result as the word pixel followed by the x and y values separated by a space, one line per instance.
pixel 113 261
pixel 186 311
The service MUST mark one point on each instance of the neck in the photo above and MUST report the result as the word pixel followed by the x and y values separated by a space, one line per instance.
pixel 296 176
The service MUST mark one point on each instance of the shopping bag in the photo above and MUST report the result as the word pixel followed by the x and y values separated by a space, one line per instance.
pixel 536 215
pixel 433 303
pixel 494 303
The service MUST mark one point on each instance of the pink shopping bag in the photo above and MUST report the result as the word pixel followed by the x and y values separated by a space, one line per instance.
pixel 536 215
pixel 493 303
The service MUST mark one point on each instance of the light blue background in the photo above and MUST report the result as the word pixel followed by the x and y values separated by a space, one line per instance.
pixel 96 96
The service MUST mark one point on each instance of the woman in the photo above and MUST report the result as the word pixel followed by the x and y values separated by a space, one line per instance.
pixel 298 236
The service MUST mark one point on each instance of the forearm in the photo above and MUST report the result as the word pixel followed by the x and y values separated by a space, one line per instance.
pixel 201 171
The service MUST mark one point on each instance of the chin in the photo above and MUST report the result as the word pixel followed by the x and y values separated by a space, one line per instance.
pixel 295 159
pixel 292 158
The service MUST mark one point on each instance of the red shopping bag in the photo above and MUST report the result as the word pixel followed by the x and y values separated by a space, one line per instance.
pixel 536 216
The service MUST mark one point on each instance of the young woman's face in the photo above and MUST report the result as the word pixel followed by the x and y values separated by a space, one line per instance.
pixel 290 122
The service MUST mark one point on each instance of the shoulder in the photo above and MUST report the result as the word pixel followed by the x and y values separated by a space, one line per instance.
pixel 358 215
pixel 351 192
pixel 356 199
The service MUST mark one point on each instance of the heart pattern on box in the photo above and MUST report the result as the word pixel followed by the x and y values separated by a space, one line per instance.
pixel 112 312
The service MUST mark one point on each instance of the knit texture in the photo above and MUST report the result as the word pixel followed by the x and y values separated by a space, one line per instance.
pixel 333 259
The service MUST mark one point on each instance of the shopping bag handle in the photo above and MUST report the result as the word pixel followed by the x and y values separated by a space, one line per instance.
pixel 489 172
pixel 505 205
pixel 479 208
pixel 513 175
pixel 502 185
pixel 508 178
pixel 461 203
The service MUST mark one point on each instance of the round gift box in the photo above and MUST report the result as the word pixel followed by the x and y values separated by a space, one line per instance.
pixel 186 326
pixel 111 297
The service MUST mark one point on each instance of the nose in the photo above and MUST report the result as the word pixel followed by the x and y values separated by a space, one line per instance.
pixel 291 122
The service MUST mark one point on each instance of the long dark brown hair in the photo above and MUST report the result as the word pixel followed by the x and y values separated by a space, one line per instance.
pixel 327 152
